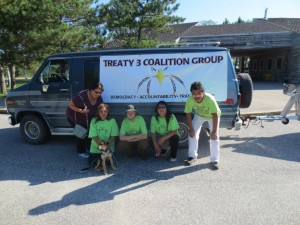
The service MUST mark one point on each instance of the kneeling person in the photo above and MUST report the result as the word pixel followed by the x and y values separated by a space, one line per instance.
pixel 103 128
pixel 164 131
pixel 133 133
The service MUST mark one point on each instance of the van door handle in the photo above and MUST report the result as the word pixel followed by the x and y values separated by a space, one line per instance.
pixel 64 90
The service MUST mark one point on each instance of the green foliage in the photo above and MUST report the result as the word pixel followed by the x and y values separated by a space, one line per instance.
pixel 31 30
pixel 226 21
pixel 240 20
pixel 133 43
pixel 207 23
pixel 137 20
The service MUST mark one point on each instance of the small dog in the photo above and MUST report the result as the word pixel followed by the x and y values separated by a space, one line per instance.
pixel 105 155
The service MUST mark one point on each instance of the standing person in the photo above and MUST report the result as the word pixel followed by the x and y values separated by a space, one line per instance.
pixel 81 110
pixel 206 109
pixel 133 133
pixel 164 131
pixel 102 128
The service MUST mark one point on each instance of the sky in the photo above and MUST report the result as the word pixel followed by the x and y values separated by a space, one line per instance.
pixel 218 10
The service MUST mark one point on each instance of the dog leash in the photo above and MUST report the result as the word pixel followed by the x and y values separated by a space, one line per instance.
pixel 114 157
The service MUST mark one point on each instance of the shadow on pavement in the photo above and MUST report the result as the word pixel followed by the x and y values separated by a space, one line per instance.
pixel 117 184
pixel 277 147
pixel 267 85
pixel 57 161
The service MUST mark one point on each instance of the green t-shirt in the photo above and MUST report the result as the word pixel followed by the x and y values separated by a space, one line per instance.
pixel 160 126
pixel 133 127
pixel 103 129
pixel 204 108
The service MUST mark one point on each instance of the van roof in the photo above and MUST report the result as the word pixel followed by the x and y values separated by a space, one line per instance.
pixel 138 51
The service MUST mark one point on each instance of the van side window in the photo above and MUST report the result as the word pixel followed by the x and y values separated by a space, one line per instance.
pixel 55 71
pixel 91 73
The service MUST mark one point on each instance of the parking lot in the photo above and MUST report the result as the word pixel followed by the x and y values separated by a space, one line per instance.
pixel 258 182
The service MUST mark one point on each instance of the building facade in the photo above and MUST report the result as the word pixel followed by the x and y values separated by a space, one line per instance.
pixel 267 49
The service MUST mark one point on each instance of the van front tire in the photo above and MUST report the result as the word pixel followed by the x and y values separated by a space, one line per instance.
pixel 33 129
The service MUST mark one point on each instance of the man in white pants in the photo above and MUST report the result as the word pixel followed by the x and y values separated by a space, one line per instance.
pixel 206 109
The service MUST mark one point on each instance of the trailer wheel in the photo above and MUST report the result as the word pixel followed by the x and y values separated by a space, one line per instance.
pixel 33 129
pixel 246 89
pixel 285 121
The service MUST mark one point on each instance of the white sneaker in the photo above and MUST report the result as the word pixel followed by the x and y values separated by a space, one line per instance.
pixel 173 159
pixel 83 155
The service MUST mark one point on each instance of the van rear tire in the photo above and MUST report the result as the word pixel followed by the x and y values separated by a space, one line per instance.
pixel 246 89
pixel 183 131
pixel 33 129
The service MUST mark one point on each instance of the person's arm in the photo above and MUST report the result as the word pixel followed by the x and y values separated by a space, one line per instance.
pixel 190 125
pixel 166 137
pixel 215 129
pixel 155 145
pixel 76 109
pixel 111 140
pixel 96 139
pixel 132 138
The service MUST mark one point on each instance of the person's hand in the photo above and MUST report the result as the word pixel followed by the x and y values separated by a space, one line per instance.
pixel 214 136
pixel 191 132
pixel 160 142
pixel 157 150
pixel 85 110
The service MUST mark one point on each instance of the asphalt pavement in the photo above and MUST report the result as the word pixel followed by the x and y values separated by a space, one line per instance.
pixel 268 98
pixel 258 181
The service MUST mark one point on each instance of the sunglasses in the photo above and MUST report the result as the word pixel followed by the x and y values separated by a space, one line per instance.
pixel 162 107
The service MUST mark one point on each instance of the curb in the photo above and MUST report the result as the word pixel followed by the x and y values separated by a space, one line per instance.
pixel 277 112
pixel 3 111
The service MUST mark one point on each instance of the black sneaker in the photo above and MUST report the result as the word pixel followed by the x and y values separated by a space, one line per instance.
pixel 190 161
pixel 215 165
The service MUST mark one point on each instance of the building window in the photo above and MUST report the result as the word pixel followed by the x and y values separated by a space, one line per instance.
pixel 279 64
pixel 269 66
pixel 261 65
pixel 254 67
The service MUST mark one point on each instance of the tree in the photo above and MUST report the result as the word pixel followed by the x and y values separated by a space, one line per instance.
pixel 240 20
pixel 226 21
pixel 135 21
pixel 207 23
pixel 31 30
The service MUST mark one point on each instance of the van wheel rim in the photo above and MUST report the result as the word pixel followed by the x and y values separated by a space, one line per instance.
pixel 32 130
pixel 183 133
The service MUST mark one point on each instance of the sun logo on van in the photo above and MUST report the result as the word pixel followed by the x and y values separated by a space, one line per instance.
pixel 160 76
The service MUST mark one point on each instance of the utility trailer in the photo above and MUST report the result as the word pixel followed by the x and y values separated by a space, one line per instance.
pixel 291 90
